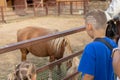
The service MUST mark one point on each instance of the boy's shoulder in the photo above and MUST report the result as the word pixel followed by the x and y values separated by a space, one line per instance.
pixel 99 43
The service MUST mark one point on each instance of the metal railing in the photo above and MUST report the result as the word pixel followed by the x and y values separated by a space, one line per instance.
pixel 38 10
pixel 82 3
pixel 14 46
pixel 17 45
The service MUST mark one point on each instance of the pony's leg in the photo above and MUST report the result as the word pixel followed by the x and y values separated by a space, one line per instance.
pixel 50 75
pixel 59 68
pixel 52 58
pixel 24 53
pixel 59 71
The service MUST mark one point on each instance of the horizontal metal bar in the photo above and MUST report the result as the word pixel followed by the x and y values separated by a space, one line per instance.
pixel 71 1
pixel 14 46
pixel 70 76
pixel 43 68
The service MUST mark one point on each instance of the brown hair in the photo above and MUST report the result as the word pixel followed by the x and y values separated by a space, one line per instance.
pixel 23 71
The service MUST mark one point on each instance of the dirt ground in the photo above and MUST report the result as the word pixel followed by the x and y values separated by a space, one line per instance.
pixel 8 35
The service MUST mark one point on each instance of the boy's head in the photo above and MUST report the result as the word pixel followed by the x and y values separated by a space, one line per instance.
pixel 96 23
pixel 24 71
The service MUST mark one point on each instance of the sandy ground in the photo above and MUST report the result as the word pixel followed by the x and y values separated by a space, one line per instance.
pixel 8 35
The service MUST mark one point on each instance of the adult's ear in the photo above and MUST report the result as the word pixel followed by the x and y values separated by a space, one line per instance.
pixel 89 27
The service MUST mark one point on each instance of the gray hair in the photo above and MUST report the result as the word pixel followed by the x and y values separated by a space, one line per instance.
pixel 97 18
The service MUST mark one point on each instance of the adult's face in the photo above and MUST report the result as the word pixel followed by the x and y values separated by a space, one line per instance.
pixel 89 29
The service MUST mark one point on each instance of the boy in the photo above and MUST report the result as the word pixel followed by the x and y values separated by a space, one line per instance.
pixel 96 61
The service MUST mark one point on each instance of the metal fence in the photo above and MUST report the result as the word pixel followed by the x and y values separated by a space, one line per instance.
pixel 49 8
pixel 42 71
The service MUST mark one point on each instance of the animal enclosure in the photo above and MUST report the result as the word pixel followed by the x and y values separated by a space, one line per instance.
pixel 9 30
pixel 21 44
pixel 60 7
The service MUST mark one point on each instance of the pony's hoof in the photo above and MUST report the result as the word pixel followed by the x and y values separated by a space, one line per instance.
pixel 49 78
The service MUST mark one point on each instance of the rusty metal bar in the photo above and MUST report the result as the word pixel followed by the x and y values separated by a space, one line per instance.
pixel 14 46
pixel 58 61
pixel 70 1
pixel 70 76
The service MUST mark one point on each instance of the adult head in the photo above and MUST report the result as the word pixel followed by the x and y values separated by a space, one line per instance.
pixel 96 23
pixel 23 71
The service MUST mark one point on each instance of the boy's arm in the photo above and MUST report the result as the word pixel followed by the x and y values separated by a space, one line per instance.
pixel 116 62
pixel 88 77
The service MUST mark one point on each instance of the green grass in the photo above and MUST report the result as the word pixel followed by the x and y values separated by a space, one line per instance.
pixel 55 75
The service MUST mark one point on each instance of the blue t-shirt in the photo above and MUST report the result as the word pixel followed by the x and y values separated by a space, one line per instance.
pixel 97 61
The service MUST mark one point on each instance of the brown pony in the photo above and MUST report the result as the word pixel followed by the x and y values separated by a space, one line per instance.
pixel 53 48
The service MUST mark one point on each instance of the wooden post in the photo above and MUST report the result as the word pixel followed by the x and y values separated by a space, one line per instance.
pixel 42 3
pixel 76 4
pixel 34 8
pixel 20 7
pixel 3 3
pixel 84 3
pixel 87 5
pixel 58 8
pixel 2 14
pixel 26 5
pixel 46 7
pixel 71 7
